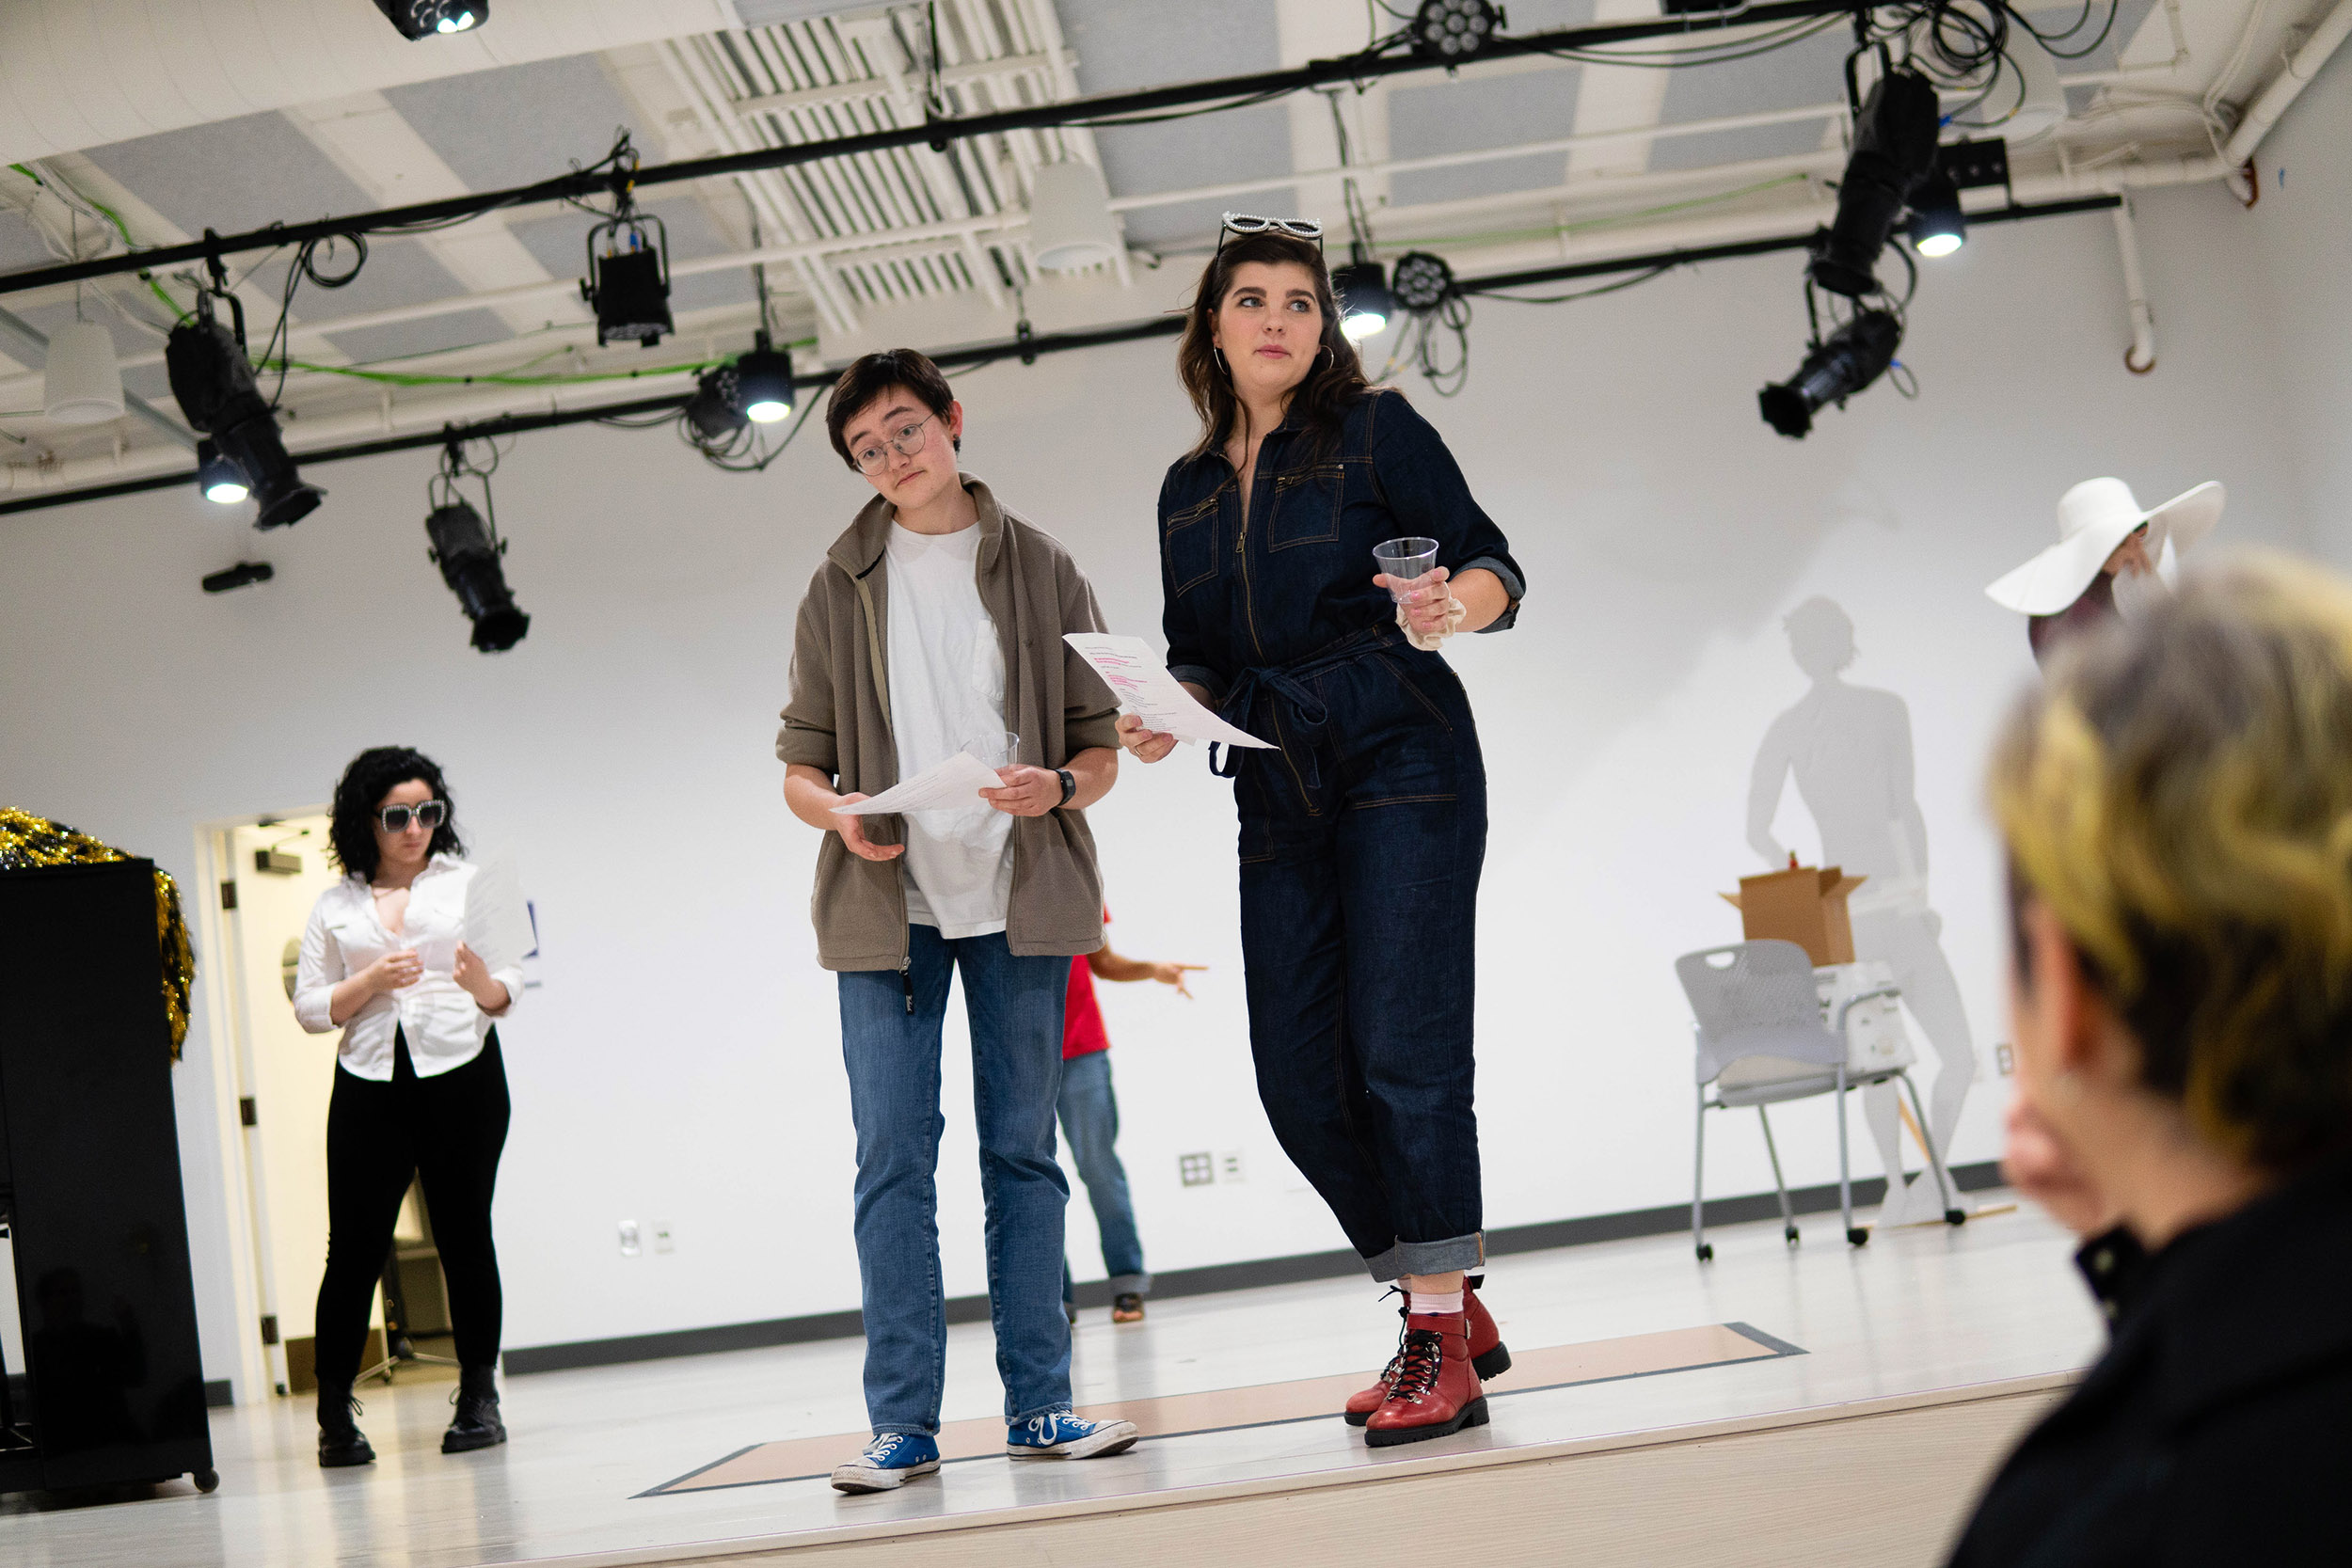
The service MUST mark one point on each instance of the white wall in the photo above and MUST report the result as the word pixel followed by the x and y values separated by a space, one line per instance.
pixel 681 1061
pixel 2303 233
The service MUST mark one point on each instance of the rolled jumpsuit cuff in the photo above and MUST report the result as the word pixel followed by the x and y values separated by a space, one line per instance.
pixel 1201 677
pixel 1131 1284
pixel 1419 1258
pixel 1514 589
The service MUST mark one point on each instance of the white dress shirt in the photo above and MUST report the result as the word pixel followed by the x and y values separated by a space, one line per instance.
pixel 450 901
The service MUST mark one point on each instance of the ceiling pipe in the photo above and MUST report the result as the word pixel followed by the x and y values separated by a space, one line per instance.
pixel 2288 84
pixel 77 74
pixel 2140 357
pixel 23 486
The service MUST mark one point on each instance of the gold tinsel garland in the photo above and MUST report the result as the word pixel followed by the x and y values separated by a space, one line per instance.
pixel 27 840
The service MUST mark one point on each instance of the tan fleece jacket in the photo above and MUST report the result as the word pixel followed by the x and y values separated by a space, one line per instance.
pixel 838 722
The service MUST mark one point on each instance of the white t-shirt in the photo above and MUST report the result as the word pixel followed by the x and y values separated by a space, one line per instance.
pixel 948 691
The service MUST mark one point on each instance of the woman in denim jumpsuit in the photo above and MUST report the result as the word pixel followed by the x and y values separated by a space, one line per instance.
pixel 1361 836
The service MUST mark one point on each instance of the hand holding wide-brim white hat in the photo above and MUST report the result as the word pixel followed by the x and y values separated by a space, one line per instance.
pixel 2093 518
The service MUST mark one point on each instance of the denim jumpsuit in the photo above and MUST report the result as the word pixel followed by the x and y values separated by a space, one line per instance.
pixel 1361 838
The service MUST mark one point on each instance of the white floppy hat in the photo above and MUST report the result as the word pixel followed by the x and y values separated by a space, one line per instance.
pixel 2093 518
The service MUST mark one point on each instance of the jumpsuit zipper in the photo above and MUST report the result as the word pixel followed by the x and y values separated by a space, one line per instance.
pixel 1250 613
pixel 906 981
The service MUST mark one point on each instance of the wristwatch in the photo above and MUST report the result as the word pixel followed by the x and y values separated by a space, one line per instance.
pixel 1068 786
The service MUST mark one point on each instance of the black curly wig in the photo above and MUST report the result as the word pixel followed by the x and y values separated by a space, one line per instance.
pixel 373 774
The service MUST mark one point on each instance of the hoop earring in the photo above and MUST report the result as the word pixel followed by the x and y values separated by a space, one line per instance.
pixel 1223 368
pixel 1324 354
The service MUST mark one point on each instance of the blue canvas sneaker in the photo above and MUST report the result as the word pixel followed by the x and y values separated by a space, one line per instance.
pixel 1060 1435
pixel 891 1459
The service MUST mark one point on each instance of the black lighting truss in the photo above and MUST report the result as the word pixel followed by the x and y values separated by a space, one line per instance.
pixel 1025 349
pixel 1393 59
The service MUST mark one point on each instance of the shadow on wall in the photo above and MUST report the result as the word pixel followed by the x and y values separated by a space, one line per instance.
pixel 1850 748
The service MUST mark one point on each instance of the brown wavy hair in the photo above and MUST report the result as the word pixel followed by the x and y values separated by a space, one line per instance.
pixel 2180 797
pixel 1334 382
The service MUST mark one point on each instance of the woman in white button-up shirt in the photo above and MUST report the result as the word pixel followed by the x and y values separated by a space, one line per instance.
pixel 413 955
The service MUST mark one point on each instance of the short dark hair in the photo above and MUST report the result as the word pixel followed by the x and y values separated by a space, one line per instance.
pixel 373 774
pixel 2176 794
pixel 869 376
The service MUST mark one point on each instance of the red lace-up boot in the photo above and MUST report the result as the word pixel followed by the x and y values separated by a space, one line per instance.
pixel 1489 1356
pixel 1436 1393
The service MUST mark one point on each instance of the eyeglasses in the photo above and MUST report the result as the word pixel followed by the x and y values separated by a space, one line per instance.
pixel 428 815
pixel 1245 223
pixel 907 440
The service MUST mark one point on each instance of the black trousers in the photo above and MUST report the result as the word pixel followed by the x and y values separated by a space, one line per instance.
pixel 448 1129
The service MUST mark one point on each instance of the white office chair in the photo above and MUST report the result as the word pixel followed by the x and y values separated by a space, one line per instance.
pixel 1761 1040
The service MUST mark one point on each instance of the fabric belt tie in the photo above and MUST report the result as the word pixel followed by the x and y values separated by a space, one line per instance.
pixel 1287 684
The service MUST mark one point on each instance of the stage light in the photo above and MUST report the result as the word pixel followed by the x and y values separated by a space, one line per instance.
pixel 1855 354
pixel 1937 225
pixel 219 480
pixel 1452 31
pixel 1364 302
pixel 713 410
pixel 215 389
pixel 1894 148
pixel 470 553
pixel 422 19
pixel 1421 282
pixel 80 381
pixel 763 382
pixel 243 574
pixel 629 284
pixel 1071 224
pixel 470 564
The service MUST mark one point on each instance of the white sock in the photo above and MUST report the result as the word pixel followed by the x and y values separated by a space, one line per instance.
pixel 1443 1302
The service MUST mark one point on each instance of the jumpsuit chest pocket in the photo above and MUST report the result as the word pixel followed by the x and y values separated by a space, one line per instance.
pixel 1307 506
pixel 1188 539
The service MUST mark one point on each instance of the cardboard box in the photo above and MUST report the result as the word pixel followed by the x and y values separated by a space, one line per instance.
pixel 1804 904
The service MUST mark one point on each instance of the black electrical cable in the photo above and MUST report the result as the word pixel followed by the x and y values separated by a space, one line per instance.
pixel 1622 284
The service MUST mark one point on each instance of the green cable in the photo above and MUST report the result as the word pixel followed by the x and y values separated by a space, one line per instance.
pixel 120 227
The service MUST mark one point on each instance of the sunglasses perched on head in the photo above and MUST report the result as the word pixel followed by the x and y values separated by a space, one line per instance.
pixel 427 814
pixel 1246 223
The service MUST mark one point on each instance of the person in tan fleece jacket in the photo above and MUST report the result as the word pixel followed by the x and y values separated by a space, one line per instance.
pixel 935 625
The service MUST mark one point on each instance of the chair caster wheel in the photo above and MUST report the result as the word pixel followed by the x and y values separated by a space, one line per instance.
pixel 1858 1236
pixel 1789 1234
pixel 1955 1216
pixel 1706 1251
pixel 206 1481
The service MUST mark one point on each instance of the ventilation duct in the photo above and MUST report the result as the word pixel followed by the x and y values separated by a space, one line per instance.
pixel 75 75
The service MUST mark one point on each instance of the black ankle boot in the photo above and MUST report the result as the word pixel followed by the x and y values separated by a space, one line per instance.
pixel 476 1425
pixel 341 1441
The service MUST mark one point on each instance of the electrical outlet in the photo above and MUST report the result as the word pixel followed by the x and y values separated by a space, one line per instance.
pixel 630 1247
pixel 661 1241
pixel 1228 1166
pixel 1195 1170
pixel 2005 1058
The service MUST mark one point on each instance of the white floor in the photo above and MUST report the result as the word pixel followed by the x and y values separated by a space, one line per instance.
pixel 1916 1309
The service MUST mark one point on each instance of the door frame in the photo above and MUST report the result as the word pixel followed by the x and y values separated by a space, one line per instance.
pixel 260 1370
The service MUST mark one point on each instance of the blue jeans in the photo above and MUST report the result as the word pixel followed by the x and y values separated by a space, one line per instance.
pixel 892 1047
pixel 1361 841
pixel 1089 1119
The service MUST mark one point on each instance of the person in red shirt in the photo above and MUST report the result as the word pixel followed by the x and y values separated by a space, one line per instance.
pixel 1089 1119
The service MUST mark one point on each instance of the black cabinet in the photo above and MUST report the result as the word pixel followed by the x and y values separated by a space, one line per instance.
pixel 113 1388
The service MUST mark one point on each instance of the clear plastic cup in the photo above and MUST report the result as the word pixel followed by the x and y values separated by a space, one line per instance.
pixel 1000 752
pixel 1407 563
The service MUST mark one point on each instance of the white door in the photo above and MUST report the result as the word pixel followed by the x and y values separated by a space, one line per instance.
pixel 285 1076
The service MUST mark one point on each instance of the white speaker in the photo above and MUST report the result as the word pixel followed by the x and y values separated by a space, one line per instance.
pixel 81 383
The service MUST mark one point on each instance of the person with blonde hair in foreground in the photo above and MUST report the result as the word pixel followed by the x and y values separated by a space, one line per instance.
pixel 2177 804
